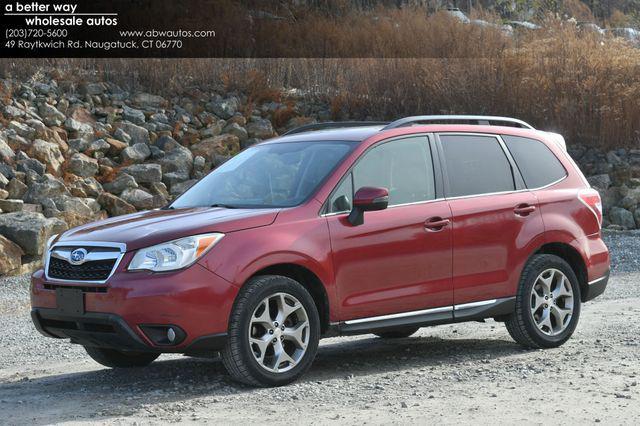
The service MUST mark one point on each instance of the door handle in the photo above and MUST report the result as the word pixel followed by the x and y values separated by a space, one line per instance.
pixel 435 224
pixel 524 209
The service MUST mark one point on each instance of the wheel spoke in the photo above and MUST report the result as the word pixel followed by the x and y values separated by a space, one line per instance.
pixel 284 309
pixel 561 288
pixel 263 344
pixel 545 321
pixel 281 356
pixel 264 318
pixel 295 334
pixel 536 302
pixel 560 314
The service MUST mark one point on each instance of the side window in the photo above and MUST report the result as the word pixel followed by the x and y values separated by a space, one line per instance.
pixel 340 201
pixel 475 165
pixel 538 165
pixel 402 166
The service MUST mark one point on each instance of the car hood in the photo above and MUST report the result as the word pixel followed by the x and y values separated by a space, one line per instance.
pixel 148 228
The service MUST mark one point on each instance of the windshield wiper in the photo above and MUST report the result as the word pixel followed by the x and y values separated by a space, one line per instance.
pixel 224 206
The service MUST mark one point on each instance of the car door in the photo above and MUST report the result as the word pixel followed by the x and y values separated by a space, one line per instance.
pixel 495 219
pixel 392 263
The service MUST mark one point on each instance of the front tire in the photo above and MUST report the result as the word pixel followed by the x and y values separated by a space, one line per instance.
pixel 274 331
pixel 547 303
pixel 120 359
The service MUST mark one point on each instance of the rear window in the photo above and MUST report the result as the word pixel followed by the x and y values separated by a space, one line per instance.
pixel 538 165
pixel 475 165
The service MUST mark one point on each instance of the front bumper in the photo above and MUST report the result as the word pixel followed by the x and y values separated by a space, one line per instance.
pixel 116 315
pixel 111 331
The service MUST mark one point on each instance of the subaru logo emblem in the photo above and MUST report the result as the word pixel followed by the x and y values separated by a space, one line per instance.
pixel 78 256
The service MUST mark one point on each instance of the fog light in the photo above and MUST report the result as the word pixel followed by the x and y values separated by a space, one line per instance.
pixel 164 334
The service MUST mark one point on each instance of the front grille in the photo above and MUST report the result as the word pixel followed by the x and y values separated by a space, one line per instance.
pixel 98 270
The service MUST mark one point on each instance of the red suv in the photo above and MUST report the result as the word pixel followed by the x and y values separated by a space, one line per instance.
pixel 337 229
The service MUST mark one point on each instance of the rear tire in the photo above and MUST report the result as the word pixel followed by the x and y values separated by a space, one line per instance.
pixel 547 303
pixel 120 359
pixel 274 331
pixel 397 333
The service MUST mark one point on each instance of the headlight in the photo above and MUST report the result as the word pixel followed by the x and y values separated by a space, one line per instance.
pixel 47 247
pixel 174 254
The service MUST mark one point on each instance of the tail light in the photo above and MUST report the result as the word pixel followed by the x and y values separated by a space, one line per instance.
pixel 591 199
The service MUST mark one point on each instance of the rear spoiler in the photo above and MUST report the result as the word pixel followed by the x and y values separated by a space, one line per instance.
pixel 558 139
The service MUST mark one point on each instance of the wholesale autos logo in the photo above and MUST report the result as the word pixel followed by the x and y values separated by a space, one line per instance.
pixel 58 15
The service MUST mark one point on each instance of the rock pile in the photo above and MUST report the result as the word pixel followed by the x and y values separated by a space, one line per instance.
pixel 75 153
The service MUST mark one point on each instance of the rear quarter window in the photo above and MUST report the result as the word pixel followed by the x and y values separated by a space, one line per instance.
pixel 538 165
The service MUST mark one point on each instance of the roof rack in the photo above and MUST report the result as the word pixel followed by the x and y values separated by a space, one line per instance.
pixel 476 119
pixel 333 125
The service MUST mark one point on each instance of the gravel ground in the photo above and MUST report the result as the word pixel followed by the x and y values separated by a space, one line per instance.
pixel 470 372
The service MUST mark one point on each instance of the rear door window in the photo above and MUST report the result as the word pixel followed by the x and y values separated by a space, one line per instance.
pixel 538 165
pixel 475 165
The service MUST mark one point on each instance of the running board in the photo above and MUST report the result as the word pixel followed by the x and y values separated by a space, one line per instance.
pixel 443 315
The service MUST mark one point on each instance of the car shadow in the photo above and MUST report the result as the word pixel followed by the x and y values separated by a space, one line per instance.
pixel 110 393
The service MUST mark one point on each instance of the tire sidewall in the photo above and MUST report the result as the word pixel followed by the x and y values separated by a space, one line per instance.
pixel 544 340
pixel 278 285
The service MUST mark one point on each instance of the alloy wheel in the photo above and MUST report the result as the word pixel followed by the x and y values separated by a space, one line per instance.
pixel 552 302
pixel 279 332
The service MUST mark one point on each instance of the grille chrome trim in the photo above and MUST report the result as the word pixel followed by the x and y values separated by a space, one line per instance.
pixel 62 250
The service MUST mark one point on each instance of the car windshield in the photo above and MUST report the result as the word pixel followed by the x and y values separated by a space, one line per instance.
pixel 269 175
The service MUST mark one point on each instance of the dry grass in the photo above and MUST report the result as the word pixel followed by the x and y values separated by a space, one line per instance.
pixel 557 79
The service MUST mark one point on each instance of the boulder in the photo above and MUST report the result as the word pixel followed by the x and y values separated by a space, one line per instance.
pixel 10 256
pixel 3 181
pixel 133 115
pixel 144 173
pixel 236 130
pixel 135 154
pixel 622 217
pixel 223 108
pixel 78 127
pixel 22 129
pixel 200 168
pixel 136 133
pixel 9 206
pixel 49 154
pixel 146 100
pixel 99 145
pixel 82 165
pixel 85 187
pixel 260 128
pixel 115 206
pixel 138 198
pixel 4 194
pixel 50 115
pixel 30 230
pixel 181 187
pixel 31 164
pixel 120 183
pixel 220 145
pixel 602 181
pixel 116 146
pixel 92 89
pixel 6 152
pixel 47 186
pixel 16 189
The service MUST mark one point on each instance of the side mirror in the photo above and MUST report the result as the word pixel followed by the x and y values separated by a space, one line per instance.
pixel 367 199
